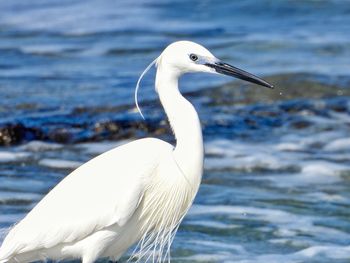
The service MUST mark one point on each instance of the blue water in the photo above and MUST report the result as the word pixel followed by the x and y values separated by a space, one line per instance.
pixel 276 183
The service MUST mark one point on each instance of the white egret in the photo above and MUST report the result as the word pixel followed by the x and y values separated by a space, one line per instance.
pixel 138 192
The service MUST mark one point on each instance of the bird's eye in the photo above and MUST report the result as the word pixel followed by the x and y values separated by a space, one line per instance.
pixel 193 57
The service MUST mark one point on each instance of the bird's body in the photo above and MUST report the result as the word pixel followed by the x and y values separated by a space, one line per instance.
pixel 138 192
pixel 68 230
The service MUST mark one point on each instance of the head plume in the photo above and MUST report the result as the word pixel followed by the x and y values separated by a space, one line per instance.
pixel 138 85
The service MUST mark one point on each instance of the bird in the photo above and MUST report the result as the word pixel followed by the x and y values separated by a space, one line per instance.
pixel 135 195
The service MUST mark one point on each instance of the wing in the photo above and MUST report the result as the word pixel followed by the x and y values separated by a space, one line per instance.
pixel 102 192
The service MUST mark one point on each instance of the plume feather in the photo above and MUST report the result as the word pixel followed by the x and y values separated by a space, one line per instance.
pixel 138 86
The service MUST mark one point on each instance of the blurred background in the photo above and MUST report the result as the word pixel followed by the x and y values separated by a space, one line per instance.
pixel 276 186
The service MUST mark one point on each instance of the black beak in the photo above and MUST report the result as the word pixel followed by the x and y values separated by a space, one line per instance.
pixel 227 69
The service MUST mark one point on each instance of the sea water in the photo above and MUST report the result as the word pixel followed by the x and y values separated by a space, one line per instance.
pixel 276 183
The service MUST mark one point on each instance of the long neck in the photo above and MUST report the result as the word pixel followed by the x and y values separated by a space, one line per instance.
pixel 185 124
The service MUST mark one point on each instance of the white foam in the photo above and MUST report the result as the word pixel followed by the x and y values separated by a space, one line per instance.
pixel 285 232
pixel 342 144
pixel 289 146
pixel 223 148
pixel 95 148
pixel 321 121
pixel 44 49
pixel 8 196
pixel 326 197
pixel 12 156
pixel 311 173
pixel 343 118
pixel 306 142
pixel 219 245
pixel 320 252
pixel 60 164
pixel 268 258
pixel 38 146
pixel 291 242
pixel 21 183
pixel 211 224
pixel 323 169
pixel 286 224
pixel 330 251
pixel 217 257
pixel 256 161
pixel 242 156
pixel 262 160
pixel 272 215
pixel 225 154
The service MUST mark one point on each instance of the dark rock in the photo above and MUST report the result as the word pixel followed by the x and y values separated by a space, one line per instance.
pixel 17 133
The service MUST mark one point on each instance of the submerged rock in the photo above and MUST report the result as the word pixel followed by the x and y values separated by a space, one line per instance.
pixel 14 133
pixel 240 109
pixel 11 134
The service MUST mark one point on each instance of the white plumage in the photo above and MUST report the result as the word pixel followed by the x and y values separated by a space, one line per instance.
pixel 138 192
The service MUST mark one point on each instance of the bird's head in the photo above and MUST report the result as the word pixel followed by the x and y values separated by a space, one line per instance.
pixel 185 56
